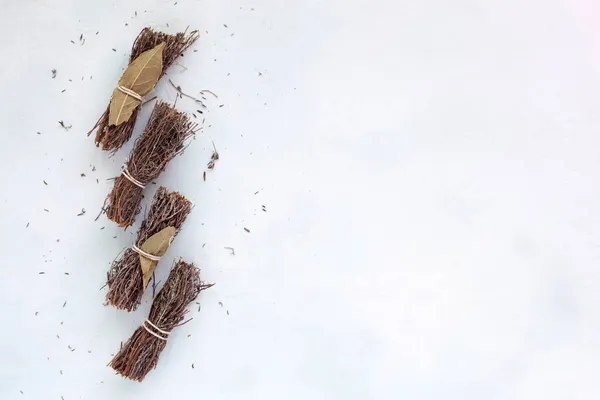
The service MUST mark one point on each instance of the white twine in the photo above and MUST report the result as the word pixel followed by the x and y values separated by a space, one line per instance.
pixel 127 175
pixel 130 92
pixel 144 254
pixel 147 321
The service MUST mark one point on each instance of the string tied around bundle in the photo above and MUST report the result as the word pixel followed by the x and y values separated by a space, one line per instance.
pixel 145 254
pixel 131 179
pixel 151 250
pixel 155 331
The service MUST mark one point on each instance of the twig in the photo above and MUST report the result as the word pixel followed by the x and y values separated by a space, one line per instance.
pixel 231 249
pixel 148 101
pixel 182 66
pixel 208 91
pixel 181 93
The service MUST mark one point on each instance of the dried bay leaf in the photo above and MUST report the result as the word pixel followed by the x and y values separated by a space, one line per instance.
pixel 143 73
pixel 157 245
pixel 140 76
pixel 121 107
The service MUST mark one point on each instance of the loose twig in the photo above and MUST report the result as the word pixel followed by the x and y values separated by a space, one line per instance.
pixel 208 91
pixel 149 100
pixel 231 249
pixel 182 94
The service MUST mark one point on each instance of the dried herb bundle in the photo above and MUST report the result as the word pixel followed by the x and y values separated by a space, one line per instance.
pixel 162 140
pixel 125 277
pixel 140 354
pixel 111 137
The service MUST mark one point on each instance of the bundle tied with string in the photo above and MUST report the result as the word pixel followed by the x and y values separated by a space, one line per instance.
pixel 151 55
pixel 163 139
pixel 130 274
pixel 140 353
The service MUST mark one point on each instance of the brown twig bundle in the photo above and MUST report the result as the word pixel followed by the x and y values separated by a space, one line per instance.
pixel 162 140
pixel 124 279
pixel 111 137
pixel 140 354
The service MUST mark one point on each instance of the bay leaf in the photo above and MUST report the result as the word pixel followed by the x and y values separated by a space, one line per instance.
pixel 157 245
pixel 140 76
pixel 121 107
pixel 143 73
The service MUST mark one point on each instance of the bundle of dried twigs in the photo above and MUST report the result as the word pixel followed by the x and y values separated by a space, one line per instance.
pixel 162 140
pixel 112 137
pixel 124 279
pixel 140 354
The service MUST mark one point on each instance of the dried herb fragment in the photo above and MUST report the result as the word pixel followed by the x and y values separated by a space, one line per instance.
pixel 62 123
pixel 213 158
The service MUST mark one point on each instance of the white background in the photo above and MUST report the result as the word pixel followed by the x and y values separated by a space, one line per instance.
pixel 431 177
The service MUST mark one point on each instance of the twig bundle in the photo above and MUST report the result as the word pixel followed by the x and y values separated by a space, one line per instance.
pixel 111 137
pixel 141 352
pixel 162 140
pixel 124 279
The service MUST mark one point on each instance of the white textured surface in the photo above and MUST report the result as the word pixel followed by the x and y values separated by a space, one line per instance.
pixel 431 176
